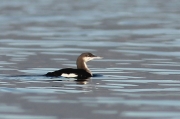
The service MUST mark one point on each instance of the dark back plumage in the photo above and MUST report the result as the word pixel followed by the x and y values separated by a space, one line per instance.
pixel 81 73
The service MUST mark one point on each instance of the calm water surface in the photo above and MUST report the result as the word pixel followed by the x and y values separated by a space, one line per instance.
pixel 138 39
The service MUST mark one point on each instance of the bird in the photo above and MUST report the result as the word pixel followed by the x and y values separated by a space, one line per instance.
pixel 82 71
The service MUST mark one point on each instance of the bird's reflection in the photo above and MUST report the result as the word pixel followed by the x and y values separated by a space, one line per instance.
pixel 78 81
pixel 82 81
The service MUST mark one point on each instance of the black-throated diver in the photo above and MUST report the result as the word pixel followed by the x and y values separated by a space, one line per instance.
pixel 82 71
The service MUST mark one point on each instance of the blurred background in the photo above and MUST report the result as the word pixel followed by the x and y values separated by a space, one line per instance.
pixel 139 40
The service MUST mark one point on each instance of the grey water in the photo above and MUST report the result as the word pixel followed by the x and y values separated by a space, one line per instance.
pixel 139 40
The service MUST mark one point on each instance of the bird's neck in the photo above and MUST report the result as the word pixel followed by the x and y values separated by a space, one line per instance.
pixel 82 65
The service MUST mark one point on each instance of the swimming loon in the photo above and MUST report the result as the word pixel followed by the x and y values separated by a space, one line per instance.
pixel 82 71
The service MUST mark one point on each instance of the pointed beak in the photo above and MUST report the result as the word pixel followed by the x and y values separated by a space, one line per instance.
pixel 92 58
pixel 96 57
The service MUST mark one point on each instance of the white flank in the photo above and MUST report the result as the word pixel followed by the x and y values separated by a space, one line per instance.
pixel 69 75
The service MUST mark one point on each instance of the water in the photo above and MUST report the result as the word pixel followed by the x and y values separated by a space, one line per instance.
pixel 138 39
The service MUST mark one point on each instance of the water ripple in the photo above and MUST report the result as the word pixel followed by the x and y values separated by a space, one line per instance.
pixel 138 77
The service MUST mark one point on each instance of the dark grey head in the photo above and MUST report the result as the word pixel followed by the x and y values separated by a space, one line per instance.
pixel 88 57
